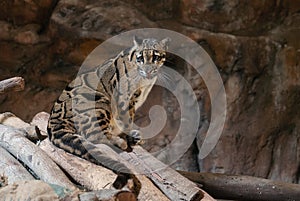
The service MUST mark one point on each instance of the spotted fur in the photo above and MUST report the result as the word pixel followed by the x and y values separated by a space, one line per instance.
pixel 94 108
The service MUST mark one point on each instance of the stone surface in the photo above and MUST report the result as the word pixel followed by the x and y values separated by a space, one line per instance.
pixel 254 44
pixel 157 9
pixel 246 18
pixel 96 19
pixel 20 12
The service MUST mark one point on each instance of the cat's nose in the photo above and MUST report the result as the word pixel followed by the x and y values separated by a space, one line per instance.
pixel 149 75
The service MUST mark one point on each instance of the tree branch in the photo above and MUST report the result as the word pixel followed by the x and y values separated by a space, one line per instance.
pixel 244 187
pixel 108 195
pixel 12 84
pixel 87 174
pixel 172 184
pixel 95 177
pixel 14 141
pixel 91 176
pixel 11 169
pixel 31 130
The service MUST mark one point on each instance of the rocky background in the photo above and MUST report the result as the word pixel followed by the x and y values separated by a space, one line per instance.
pixel 255 45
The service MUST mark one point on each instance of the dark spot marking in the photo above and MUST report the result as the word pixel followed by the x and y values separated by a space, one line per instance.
pixel 121 104
pixel 88 96
pixel 69 88
pixel 102 123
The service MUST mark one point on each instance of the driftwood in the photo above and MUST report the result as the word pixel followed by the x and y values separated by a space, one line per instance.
pixel 40 121
pixel 29 190
pixel 85 173
pixel 89 175
pixel 39 190
pixel 108 195
pixel 32 131
pixel 14 141
pixel 95 177
pixel 12 84
pixel 244 187
pixel 11 170
pixel 171 183
pixel 148 190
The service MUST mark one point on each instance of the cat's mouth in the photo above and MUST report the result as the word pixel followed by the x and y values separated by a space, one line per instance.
pixel 148 72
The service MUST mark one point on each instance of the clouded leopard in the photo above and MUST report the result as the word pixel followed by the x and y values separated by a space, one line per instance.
pixel 92 107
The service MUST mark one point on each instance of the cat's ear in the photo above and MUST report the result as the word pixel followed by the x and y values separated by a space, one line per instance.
pixel 165 42
pixel 137 41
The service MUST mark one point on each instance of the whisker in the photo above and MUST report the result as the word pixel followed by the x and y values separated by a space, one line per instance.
pixel 165 79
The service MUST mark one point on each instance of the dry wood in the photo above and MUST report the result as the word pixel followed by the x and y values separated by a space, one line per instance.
pixel 244 187
pixel 12 84
pixel 148 190
pixel 173 185
pixel 87 174
pixel 32 190
pixel 14 141
pixel 11 169
pixel 40 120
pixel 108 195
pixel 9 119
pixel 92 176
pixel 96 177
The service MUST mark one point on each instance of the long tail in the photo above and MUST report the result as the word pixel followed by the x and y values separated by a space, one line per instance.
pixel 79 146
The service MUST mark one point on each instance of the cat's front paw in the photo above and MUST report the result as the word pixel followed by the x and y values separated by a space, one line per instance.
pixel 134 137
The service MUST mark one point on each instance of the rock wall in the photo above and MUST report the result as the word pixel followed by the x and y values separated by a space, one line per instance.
pixel 255 45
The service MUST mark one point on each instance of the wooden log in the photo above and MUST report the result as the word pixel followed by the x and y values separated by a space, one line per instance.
pixel 14 141
pixel 12 84
pixel 95 177
pixel 9 119
pixel 89 175
pixel 11 169
pixel 31 131
pixel 108 195
pixel 244 187
pixel 98 177
pixel 147 192
pixel 40 120
pixel 171 183
pixel 29 190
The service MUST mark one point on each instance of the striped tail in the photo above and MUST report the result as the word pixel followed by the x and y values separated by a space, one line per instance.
pixel 79 146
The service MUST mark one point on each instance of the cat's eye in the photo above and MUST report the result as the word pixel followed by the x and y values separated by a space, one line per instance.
pixel 156 57
pixel 140 59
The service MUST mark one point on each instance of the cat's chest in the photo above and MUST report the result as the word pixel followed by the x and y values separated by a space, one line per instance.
pixel 144 92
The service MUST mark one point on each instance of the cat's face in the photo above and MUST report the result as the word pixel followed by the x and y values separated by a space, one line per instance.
pixel 149 56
